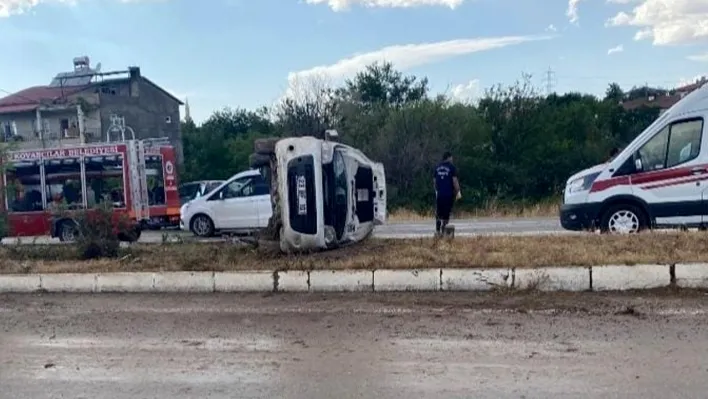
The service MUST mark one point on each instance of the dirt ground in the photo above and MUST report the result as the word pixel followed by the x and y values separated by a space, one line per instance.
pixel 307 346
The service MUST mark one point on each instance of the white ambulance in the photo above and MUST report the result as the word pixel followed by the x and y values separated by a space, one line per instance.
pixel 659 180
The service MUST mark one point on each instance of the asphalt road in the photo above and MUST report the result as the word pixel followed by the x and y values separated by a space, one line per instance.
pixel 481 226
pixel 464 227
pixel 353 346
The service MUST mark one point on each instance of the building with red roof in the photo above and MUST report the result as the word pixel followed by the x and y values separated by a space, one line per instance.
pixel 86 105
pixel 666 99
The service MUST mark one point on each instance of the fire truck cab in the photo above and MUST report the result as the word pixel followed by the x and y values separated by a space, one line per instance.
pixel 136 178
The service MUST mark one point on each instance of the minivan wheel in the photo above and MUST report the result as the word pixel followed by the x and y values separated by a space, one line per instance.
pixel 623 219
pixel 202 226
pixel 265 146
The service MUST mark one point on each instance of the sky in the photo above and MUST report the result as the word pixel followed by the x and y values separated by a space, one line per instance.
pixel 249 53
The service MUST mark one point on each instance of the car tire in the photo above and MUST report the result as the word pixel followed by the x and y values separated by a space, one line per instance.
pixel 258 161
pixel 67 231
pixel 623 219
pixel 265 146
pixel 202 226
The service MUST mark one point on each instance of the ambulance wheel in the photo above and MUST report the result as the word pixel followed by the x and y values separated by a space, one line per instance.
pixel 265 146
pixel 623 219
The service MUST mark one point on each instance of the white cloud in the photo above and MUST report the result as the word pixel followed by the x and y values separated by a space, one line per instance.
pixel 572 11
pixel 13 7
pixel 666 22
pixel 699 57
pixel 408 56
pixel 614 50
pixel 342 5
pixel 551 28
pixel 466 92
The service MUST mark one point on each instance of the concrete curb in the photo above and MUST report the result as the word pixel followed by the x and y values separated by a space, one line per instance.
pixel 574 278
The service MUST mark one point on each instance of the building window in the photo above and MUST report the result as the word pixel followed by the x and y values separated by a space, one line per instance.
pixel 64 128
pixel 168 119
pixel 7 131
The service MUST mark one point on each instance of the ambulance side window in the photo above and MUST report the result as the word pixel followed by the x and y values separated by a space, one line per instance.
pixel 684 142
pixel 653 153
pixel 677 143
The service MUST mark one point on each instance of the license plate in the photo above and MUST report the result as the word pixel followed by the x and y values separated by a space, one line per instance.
pixel 301 195
pixel 362 195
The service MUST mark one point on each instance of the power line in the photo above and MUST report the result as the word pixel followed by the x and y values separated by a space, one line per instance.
pixel 550 81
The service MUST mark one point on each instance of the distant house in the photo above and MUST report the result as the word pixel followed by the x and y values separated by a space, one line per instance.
pixel 663 99
pixel 86 106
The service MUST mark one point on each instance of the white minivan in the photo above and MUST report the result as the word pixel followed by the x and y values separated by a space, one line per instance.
pixel 659 180
pixel 241 204
pixel 333 194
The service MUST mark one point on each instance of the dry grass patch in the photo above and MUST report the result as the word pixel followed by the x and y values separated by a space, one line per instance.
pixel 492 209
pixel 475 252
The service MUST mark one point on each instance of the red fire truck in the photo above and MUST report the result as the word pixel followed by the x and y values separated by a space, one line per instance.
pixel 163 195
pixel 135 176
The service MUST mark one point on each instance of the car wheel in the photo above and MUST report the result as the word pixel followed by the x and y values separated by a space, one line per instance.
pixel 202 226
pixel 623 219
pixel 68 231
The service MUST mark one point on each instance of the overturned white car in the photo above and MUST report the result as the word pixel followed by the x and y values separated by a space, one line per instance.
pixel 324 194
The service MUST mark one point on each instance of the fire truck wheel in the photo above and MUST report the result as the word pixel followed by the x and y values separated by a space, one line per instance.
pixel 202 226
pixel 258 161
pixel 67 231
pixel 130 236
pixel 265 146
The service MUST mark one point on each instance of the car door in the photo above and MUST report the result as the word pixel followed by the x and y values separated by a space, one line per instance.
pixel 234 205
pixel 672 173
pixel 263 204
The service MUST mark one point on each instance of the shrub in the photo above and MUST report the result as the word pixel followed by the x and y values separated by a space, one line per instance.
pixel 98 231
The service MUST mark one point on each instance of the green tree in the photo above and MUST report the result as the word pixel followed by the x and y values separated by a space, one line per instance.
pixel 513 145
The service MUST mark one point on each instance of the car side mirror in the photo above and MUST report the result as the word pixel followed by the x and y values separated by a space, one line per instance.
pixel 638 164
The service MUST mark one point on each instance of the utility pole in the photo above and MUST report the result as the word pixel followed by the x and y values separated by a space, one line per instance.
pixel 550 81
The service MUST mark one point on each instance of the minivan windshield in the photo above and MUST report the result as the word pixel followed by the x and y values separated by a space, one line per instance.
pixel 335 193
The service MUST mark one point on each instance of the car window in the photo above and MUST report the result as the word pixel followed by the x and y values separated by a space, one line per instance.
pixel 243 187
pixel 189 190
pixel 211 186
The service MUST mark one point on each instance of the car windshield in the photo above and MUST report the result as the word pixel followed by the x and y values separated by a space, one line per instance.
pixel 211 186
pixel 188 191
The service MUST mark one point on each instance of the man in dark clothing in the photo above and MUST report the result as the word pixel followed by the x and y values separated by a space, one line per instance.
pixel 447 190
